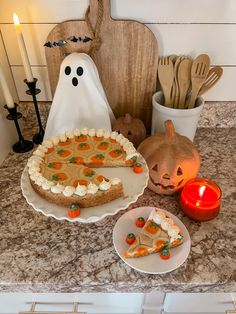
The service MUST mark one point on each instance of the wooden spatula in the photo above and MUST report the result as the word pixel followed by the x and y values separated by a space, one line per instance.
pixel 199 71
pixel 166 76
pixel 184 80
pixel 213 77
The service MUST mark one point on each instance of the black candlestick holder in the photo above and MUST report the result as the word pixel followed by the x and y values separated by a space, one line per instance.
pixel 33 91
pixel 22 146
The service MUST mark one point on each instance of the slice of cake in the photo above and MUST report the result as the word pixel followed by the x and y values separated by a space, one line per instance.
pixel 62 169
pixel 159 232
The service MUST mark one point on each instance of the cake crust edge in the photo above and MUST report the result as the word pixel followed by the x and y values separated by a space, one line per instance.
pixel 89 200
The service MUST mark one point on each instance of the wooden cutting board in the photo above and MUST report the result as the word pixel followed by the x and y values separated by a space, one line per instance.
pixel 127 60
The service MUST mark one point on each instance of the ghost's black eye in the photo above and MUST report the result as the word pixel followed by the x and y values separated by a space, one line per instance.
pixel 80 71
pixel 67 70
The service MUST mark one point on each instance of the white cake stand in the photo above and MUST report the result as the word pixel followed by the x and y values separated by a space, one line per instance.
pixel 134 185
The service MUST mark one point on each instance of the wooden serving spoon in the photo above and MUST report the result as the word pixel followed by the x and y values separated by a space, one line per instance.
pixel 184 81
pixel 199 71
pixel 213 77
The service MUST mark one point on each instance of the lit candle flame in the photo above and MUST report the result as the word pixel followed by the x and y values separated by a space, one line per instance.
pixel 16 19
pixel 201 190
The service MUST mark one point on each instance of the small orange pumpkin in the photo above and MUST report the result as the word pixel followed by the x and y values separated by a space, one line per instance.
pixel 131 128
pixel 172 159
pixel 74 211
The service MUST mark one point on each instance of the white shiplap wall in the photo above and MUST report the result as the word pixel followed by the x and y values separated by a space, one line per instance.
pixel 181 27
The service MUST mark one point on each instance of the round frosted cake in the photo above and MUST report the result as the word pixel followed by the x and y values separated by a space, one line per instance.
pixel 62 169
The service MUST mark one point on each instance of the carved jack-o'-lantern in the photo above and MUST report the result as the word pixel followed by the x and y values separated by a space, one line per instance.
pixel 172 159
pixel 131 128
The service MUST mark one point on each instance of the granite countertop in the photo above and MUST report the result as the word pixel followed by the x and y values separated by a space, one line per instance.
pixel 41 254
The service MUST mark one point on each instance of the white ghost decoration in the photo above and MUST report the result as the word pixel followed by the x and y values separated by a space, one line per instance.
pixel 79 100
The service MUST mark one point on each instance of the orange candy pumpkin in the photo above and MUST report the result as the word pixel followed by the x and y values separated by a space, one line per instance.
pixel 172 159
pixel 74 211
pixel 138 168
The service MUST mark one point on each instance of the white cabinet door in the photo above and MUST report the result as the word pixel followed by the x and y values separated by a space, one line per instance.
pixel 194 303
pixel 100 303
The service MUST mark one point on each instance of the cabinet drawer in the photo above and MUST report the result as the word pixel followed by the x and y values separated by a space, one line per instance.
pixel 100 303
pixel 194 303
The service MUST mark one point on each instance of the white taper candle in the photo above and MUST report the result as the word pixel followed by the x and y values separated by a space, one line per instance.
pixel 23 51
pixel 6 92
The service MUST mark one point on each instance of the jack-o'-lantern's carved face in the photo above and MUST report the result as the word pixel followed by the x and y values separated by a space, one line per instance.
pixel 172 160
pixel 165 176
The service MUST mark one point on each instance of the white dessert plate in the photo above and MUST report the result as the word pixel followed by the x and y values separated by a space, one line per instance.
pixel 134 185
pixel 151 264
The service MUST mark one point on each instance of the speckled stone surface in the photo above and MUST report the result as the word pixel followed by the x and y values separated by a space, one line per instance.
pixel 213 115
pixel 42 254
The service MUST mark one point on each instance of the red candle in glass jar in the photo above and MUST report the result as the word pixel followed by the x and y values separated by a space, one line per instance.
pixel 200 199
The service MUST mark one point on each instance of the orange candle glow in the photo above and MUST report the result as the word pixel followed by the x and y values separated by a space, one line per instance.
pixel 200 199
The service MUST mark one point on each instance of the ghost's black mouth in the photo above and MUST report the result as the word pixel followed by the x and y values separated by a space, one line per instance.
pixel 166 187
pixel 75 81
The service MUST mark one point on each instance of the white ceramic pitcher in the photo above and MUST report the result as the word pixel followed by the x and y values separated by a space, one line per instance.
pixel 185 120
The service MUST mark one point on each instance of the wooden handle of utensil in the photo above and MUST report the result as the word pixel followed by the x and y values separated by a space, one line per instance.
pixel 192 99
pixel 167 99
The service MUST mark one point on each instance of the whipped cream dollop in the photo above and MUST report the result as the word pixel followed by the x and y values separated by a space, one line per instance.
pixel 69 191
pixel 33 169
pixel 48 143
pixel 119 137
pixel 106 134
pixel 77 132
pixel 99 133
pixel 58 188
pixel 92 188
pixel 55 140
pixel 42 148
pixel 34 176
pixel 34 162
pixel 174 232
pixel 46 185
pixel 115 181
pixel 81 190
pixel 130 151
pixel 34 158
pixel 92 132
pixel 124 141
pixel 85 131
pixel 128 145
pixel 70 134
pixel 38 153
pixel 104 185
pixel 40 180
pixel 114 135
pixel 62 137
